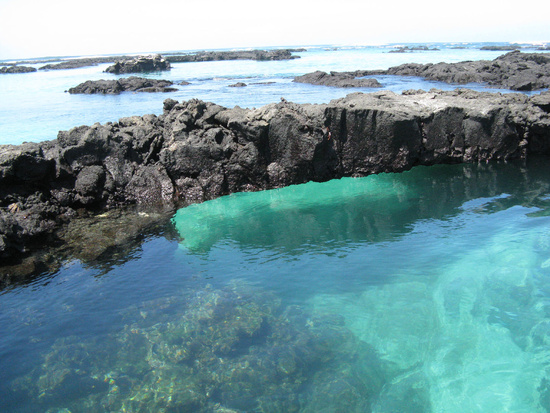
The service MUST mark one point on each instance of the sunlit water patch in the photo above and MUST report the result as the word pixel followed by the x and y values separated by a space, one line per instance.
pixel 425 291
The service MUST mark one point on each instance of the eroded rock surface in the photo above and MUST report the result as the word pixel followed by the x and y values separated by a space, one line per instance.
pixel 196 151
pixel 17 69
pixel 141 64
pixel 337 79
pixel 130 84
pixel 514 70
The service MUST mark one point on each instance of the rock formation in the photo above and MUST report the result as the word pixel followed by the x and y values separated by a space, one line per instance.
pixel 277 54
pixel 17 69
pixel 197 151
pixel 337 79
pixel 130 84
pixel 140 64
pixel 514 70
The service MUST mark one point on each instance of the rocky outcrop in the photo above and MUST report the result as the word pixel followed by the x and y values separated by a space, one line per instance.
pixel 140 64
pixel 336 79
pixel 514 70
pixel 130 84
pixel 410 49
pixel 505 48
pixel 278 54
pixel 196 151
pixel 17 69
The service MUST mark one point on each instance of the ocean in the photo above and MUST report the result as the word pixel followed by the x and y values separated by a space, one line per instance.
pixel 424 291
pixel 35 106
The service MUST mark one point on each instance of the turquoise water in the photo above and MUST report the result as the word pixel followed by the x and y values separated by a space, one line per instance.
pixel 425 291
pixel 35 106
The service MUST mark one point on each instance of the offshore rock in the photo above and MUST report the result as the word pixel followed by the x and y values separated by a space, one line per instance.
pixel 131 84
pixel 141 64
pixel 17 69
pixel 514 70
pixel 337 79
pixel 197 151
pixel 260 55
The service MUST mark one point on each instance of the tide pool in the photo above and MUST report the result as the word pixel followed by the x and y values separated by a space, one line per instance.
pixel 425 291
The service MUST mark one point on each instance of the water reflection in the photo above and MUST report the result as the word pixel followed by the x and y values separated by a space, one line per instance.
pixel 374 209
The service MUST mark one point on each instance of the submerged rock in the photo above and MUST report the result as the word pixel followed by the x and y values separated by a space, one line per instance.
pixel 229 349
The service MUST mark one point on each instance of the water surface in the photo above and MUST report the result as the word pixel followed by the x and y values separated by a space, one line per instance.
pixel 425 291
pixel 35 106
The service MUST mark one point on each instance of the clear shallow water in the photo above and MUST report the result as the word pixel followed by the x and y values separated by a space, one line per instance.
pixel 35 106
pixel 425 291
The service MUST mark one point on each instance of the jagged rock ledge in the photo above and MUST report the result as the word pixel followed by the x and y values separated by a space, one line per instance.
pixel 203 56
pixel 17 69
pixel 514 71
pixel 130 84
pixel 336 79
pixel 141 64
pixel 260 55
pixel 197 151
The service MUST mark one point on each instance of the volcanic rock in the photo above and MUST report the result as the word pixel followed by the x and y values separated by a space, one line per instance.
pixel 261 55
pixel 196 151
pixel 336 79
pixel 140 64
pixel 130 84
pixel 514 70
pixel 17 69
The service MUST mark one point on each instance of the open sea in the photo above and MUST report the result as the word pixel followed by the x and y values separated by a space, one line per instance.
pixel 424 291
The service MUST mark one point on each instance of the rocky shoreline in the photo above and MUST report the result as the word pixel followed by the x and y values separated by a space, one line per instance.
pixel 514 70
pixel 197 151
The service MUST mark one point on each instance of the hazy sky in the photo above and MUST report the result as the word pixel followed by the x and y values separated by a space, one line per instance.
pixel 33 28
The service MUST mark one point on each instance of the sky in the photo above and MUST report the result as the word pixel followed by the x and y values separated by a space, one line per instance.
pixel 39 28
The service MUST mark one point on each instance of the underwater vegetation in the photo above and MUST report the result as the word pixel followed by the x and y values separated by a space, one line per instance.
pixel 231 349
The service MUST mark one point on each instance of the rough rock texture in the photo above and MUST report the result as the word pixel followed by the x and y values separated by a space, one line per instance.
pixel 337 79
pixel 514 70
pixel 140 64
pixel 279 54
pixel 197 151
pixel 131 84
pixel 17 69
